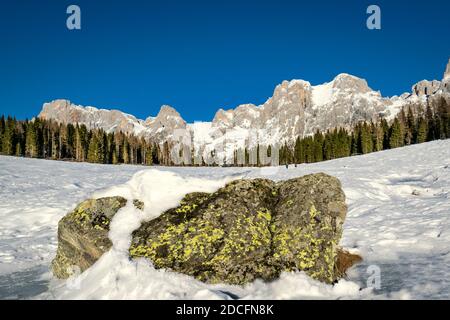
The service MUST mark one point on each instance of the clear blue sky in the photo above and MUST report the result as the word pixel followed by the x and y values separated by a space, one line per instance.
pixel 199 56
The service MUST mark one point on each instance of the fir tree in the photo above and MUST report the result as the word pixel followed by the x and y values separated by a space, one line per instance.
pixel 2 131
pixel 422 131
pixel 430 124
pixel 318 147
pixel 410 127
pixel 93 150
pixel 396 136
pixel 31 147
pixel 8 137
pixel 366 142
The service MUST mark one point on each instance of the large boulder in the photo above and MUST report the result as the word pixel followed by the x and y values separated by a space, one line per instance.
pixel 83 234
pixel 250 229
pixel 247 230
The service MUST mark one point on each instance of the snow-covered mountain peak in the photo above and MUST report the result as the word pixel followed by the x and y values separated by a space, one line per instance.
pixel 169 113
pixel 347 82
pixel 162 126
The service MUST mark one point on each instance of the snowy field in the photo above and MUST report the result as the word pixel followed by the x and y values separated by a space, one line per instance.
pixel 398 220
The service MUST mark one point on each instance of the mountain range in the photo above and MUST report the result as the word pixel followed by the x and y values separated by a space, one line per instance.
pixel 296 108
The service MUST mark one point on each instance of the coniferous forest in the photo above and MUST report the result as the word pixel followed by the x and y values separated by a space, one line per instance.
pixel 73 142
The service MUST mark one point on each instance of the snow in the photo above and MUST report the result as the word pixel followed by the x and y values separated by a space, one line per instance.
pixel 302 83
pixel 322 94
pixel 398 220
pixel 201 132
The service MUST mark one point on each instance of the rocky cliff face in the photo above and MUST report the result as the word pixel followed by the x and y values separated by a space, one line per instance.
pixel 296 108
pixel 426 87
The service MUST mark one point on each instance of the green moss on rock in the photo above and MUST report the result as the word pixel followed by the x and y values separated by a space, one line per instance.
pixel 249 229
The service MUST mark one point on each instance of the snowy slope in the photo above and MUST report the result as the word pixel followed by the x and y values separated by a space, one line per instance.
pixel 398 220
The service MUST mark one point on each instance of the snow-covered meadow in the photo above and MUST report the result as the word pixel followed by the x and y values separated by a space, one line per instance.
pixel 398 220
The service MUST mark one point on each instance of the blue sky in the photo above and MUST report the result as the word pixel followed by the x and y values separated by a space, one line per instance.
pixel 199 56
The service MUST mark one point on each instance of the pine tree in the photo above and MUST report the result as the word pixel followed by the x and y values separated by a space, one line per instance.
pixel 93 149
pixel 62 143
pixel 422 131
pixel 297 151
pixel 410 127
pixel 366 142
pixel 396 136
pixel 328 147
pixel 2 131
pixel 354 145
pixel 8 137
pixel 31 148
pixel 443 110
pixel 430 124
pixel 318 146
pixel 309 150
pixel 377 137
pixel 70 141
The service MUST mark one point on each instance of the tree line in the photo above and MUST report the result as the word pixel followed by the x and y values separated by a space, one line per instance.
pixel 48 139
pixel 410 126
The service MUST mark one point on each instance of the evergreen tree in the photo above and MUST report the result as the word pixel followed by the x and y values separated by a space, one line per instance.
pixel 396 136
pixel 378 136
pixel 410 127
pixel 31 146
pixel 93 150
pixel 443 111
pixel 386 131
pixel 422 131
pixel 318 146
pixel 2 131
pixel 328 147
pixel 430 124
pixel 366 139
pixel 297 151
pixel 8 137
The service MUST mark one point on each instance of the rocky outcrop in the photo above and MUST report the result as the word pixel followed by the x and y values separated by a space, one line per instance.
pixel 247 230
pixel 426 87
pixel 83 234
